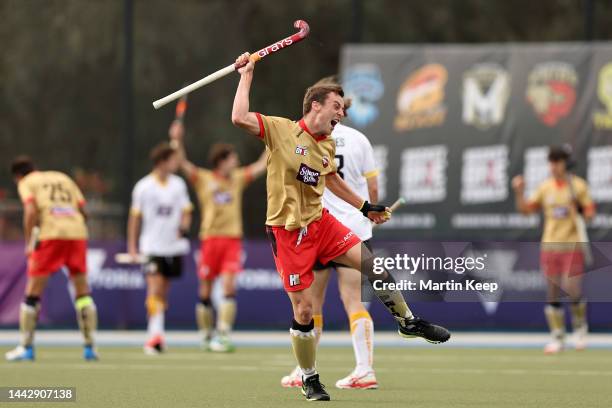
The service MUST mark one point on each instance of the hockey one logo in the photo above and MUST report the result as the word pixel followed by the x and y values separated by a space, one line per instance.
pixel 551 91
pixel 536 168
pixel 301 150
pixel 484 177
pixel 308 176
pixel 420 99
pixel 423 174
pixel 486 89
pixel 603 119
pixel 294 279
pixel 599 173
pixel 275 47
pixel 363 84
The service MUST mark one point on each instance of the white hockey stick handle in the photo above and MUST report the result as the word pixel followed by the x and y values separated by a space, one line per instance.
pixel 397 203
pixel 198 84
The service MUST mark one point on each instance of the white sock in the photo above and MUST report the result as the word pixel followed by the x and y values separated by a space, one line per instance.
pixel 156 324
pixel 362 335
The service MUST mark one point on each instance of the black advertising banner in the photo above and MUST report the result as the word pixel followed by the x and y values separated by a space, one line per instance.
pixel 451 126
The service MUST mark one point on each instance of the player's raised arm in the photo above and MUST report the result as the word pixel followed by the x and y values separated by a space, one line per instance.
pixel 522 205
pixel 241 117
pixel 177 137
pixel 377 213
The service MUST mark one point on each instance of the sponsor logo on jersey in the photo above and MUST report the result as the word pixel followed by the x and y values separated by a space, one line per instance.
pixel 164 210
pixel 345 238
pixel 222 197
pixel 551 91
pixel 536 168
pixel 599 173
pixel 486 90
pixel 420 101
pixel 294 279
pixel 301 150
pixel 325 161
pixel 603 119
pixel 560 212
pixel 363 84
pixel 62 211
pixel 423 174
pixel 484 177
pixel 308 175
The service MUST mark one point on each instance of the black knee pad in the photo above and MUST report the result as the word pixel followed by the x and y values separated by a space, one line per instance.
pixel 304 328
pixel 31 300
pixel 206 302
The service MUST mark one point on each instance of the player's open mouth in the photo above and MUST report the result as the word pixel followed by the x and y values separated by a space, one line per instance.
pixel 334 123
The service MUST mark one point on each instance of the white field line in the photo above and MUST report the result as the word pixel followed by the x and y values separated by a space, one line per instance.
pixel 269 339
pixel 255 368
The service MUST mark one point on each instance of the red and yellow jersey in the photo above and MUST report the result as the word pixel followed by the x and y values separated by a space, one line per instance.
pixel 554 198
pixel 297 165
pixel 58 201
pixel 220 201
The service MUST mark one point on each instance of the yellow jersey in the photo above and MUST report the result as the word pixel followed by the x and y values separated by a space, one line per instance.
pixel 554 198
pixel 220 201
pixel 298 162
pixel 58 202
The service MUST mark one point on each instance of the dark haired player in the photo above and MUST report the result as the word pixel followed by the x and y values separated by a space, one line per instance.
pixel 300 165
pixel 561 198
pixel 219 192
pixel 53 203
pixel 159 219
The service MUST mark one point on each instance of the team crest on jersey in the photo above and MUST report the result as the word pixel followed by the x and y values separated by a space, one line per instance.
pixel 308 175
pixel 420 101
pixel 551 91
pixel 301 150
pixel 486 90
pixel 325 161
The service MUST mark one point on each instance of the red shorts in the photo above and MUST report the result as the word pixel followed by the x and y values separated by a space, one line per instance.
pixel 562 262
pixel 325 239
pixel 50 255
pixel 219 254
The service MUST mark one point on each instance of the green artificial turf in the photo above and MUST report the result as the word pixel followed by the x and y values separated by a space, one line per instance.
pixel 408 377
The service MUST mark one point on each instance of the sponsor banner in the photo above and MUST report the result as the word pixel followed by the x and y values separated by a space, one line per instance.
pixel 515 303
pixel 456 123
